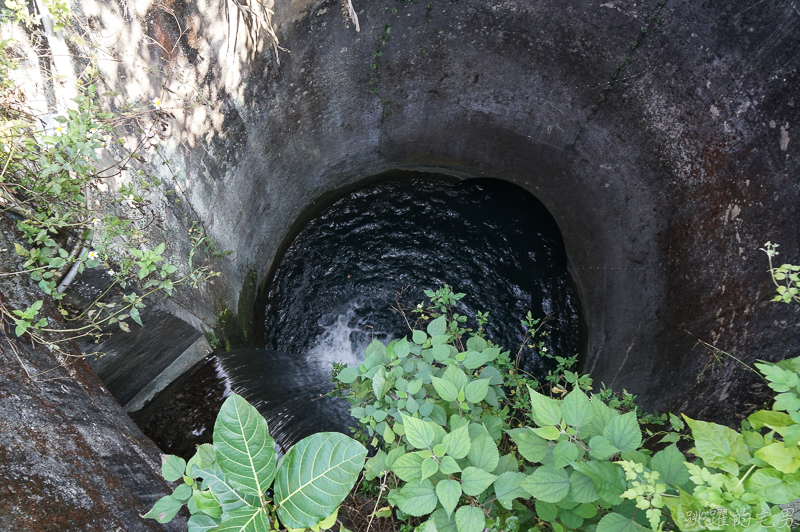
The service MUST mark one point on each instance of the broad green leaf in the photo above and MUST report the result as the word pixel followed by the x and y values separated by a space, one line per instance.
pixel 470 519
pixel 417 498
pixel 429 467
pixel 753 439
pixel 570 519
pixel 587 511
pixel 376 466
pixel 381 383
pixel 548 433
pixel 228 497
pixel 787 401
pixel 608 478
pixel 202 523
pixel 164 509
pixel 207 503
pixel 408 467
pixel 493 425
pixel 438 326
pixel 508 487
pixel 394 454
pixel 440 449
pixel 206 455
pixel 780 380
pixel 475 360
pixel 376 350
pixel 476 390
pixel 508 463
pixel 601 449
pixel 602 414
pixel 719 446
pixel 443 522
pixel 440 352
pixel 784 458
pixel 419 337
pixel 546 411
pixel 456 376
pixel 476 343
pixel 564 453
pixel 420 434
pixel 449 466
pixel 547 483
pixel 315 476
pixel 446 390
pixel 428 526
pixel 244 451
pixel 773 486
pixel 546 511
pixel 577 409
pixel 769 418
pixel 172 467
pixel 491 397
pixel 441 339
pixel 248 519
pixel 670 465
pixel 483 453
pixel 401 348
pixel 615 522
pixel 494 376
pixel 348 374
pixel 474 480
pixel 532 447
pixel 448 492
pixel 623 432
pixel 182 492
pixel 581 488
pixel 436 413
pixel 457 442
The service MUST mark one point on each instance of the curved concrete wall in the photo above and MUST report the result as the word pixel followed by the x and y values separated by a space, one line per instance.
pixel 665 178
pixel 663 196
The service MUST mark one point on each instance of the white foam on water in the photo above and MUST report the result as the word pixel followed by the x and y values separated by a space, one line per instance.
pixel 344 338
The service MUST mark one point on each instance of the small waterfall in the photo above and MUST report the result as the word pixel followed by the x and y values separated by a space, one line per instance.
pixel 288 389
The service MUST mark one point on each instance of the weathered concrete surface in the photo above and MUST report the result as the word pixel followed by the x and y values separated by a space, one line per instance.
pixel 70 458
pixel 664 196
pixel 664 192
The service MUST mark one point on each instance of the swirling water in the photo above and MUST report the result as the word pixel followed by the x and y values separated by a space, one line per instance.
pixel 341 282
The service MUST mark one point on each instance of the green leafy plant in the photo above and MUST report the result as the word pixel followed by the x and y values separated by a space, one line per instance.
pixel 456 455
pixel 70 219
pixel 239 484
pixel 786 277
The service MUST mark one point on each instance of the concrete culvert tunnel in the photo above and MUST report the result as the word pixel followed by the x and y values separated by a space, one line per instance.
pixel 659 136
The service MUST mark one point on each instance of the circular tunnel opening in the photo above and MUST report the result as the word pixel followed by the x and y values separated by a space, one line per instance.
pixel 358 269
pixel 354 269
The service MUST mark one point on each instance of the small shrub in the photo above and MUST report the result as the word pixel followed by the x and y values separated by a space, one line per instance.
pixel 238 484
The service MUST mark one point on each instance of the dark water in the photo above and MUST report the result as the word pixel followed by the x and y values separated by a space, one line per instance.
pixel 335 287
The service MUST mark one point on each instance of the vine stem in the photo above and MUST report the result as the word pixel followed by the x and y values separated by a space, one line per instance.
pixel 377 502
pixel 745 475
